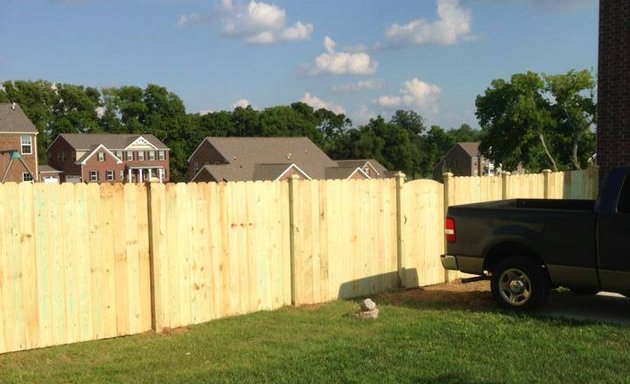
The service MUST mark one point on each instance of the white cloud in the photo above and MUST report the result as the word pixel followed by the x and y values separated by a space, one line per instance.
pixel 261 23
pixel 342 63
pixel 453 24
pixel 359 86
pixel 416 93
pixel 318 103
pixel 243 103
pixel 298 31
pixel 190 19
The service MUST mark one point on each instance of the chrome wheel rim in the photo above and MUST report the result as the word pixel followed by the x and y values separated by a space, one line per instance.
pixel 515 287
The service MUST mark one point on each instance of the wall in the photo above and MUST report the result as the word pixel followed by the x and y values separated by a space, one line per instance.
pixel 8 142
pixel 613 94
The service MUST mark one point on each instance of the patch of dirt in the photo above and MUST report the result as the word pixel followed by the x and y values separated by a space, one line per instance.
pixel 175 331
pixel 471 295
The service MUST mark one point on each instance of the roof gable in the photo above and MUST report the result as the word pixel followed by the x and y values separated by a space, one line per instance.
pixel 140 143
pixel 14 120
pixel 95 150
pixel 378 168
pixel 471 148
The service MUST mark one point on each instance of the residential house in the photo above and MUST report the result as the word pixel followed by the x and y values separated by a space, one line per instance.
pixel 464 159
pixel 18 145
pixel 133 158
pixel 270 158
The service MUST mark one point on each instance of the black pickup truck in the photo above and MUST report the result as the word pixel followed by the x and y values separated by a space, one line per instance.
pixel 527 246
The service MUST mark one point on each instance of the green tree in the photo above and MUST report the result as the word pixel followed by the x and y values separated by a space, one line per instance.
pixel 574 109
pixel 75 110
pixel 435 144
pixel 531 118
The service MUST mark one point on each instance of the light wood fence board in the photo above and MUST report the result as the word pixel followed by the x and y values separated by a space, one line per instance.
pixel 4 292
pixel 423 228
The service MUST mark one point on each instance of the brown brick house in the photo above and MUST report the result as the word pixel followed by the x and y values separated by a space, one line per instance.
pixel 464 159
pixel 18 145
pixel 613 85
pixel 109 158
pixel 271 158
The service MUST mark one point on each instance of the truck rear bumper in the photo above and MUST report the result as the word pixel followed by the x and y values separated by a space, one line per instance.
pixel 449 262
pixel 467 264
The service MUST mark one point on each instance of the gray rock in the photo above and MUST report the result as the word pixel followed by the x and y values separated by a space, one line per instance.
pixel 367 305
pixel 364 315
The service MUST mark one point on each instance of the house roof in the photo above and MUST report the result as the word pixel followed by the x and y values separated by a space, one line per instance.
pixel 360 163
pixel 111 141
pixel 15 120
pixel 343 173
pixel 245 156
pixel 470 147
pixel 48 169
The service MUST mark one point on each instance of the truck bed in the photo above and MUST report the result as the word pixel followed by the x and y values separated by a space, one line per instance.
pixel 573 205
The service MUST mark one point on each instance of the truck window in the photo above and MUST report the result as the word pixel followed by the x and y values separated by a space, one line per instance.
pixel 623 205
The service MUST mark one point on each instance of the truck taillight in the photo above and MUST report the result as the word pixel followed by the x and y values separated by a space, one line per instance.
pixel 449 230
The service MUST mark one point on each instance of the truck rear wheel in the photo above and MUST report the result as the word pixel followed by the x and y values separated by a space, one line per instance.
pixel 518 283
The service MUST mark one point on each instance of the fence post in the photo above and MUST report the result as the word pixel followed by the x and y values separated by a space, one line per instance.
pixel 400 182
pixel 547 174
pixel 506 189
pixel 448 178
pixel 157 267
pixel 292 181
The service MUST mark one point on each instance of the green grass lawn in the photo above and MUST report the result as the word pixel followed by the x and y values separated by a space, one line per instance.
pixel 412 341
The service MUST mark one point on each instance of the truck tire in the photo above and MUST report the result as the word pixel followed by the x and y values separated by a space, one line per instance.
pixel 519 284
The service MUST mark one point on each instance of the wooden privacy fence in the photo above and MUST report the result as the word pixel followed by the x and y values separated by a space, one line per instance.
pixel 85 261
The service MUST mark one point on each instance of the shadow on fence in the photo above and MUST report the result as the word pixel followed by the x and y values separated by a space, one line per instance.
pixel 376 284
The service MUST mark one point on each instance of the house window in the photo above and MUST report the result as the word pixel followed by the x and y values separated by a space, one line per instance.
pixel 119 155
pixel 140 155
pixel 161 155
pixel 27 145
pixel 151 155
pixel 109 175
pixel 63 156
pixel 93 175
pixel 27 176
pixel 129 155
pixel 122 174
pixel 101 156
pixel 74 156
pixel 195 167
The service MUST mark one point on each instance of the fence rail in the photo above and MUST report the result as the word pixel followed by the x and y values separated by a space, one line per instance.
pixel 83 262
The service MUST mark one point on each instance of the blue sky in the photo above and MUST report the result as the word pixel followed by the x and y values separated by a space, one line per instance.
pixel 360 57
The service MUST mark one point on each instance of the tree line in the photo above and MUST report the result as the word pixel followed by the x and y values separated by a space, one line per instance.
pixel 538 121
pixel 400 143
